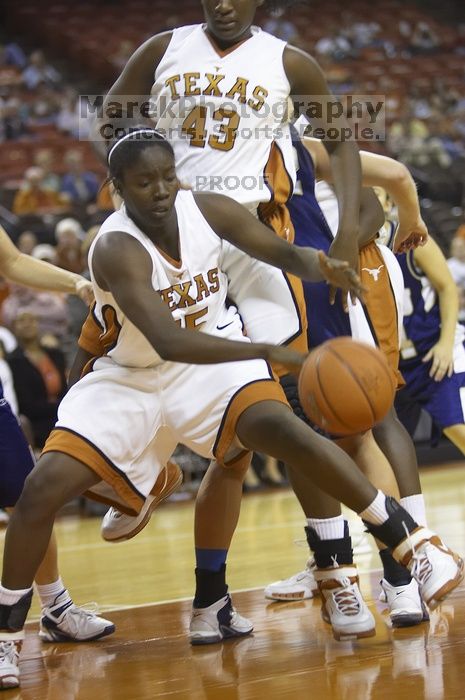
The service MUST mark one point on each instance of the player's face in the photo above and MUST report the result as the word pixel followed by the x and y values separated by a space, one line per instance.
pixel 26 327
pixel 150 186
pixel 229 21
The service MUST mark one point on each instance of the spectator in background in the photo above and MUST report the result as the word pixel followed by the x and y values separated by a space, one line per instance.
pixel 171 22
pixel 281 27
pixel 48 307
pixel 27 241
pixel 68 235
pixel 80 185
pixel 423 39
pixel 45 252
pixel 45 159
pixel 335 46
pixel 456 265
pixel 68 115
pixel 123 54
pixel 38 376
pixel 38 71
pixel 12 55
pixel 13 122
pixel 34 198
pixel 45 107
pixel 77 309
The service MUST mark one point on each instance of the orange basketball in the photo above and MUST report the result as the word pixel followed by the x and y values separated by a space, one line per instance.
pixel 346 387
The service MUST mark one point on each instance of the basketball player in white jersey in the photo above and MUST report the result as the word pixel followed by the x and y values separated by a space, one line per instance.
pixel 220 91
pixel 161 300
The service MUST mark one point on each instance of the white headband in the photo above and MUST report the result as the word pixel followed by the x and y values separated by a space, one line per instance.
pixel 130 135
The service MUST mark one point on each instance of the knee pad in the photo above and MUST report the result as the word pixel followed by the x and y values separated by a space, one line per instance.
pixel 289 385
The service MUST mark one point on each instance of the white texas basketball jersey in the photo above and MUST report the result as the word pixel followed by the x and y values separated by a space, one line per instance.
pixel 223 113
pixel 193 288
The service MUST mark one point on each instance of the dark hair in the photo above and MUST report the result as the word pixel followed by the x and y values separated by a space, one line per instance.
pixel 125 150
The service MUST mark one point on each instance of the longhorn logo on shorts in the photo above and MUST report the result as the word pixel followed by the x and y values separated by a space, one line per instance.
pixel 374 272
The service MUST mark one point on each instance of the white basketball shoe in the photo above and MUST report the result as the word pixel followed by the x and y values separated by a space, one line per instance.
pixel 301 586
pixel 342 604
pixel 217 622
pixel 117 526
pixel 436 568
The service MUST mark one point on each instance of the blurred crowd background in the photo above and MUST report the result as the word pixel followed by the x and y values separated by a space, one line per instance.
pixel 52 197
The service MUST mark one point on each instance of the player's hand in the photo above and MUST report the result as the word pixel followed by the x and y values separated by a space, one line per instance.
pixel 84 290
pixel 281 355
pixel 410 234
pixel 340 275
pixel 442 361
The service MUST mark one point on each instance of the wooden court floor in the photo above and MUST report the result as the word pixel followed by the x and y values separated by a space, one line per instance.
pixel 145 587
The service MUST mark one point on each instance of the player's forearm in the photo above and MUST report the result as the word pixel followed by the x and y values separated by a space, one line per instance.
pixel 347 178
pixel 303 263
pixel 449 310
pixel 194 347
pixel 39 274
pixel 394 177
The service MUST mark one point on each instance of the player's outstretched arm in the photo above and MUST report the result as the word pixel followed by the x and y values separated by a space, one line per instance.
pixel 233 222
pixel 123 267
pixel 430 259
pixel 309 84
pixel 394 177
pixel 24 269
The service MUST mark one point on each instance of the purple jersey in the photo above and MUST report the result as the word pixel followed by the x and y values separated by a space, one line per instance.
pixel 421 313
pixel 15 456
pixel 311 229
pixel 444 400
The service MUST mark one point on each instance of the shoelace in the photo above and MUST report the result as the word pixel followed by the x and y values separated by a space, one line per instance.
pixel 346 599
pixel 8 653
pixel 90 609
pixel 420 568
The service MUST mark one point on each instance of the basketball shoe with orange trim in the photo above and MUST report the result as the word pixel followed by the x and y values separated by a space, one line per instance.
pixel 117 527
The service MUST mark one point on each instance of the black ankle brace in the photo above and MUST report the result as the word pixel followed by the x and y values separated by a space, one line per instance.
pixel 328 551
pixel 211 586
pixel 396 527
pixel 13 617
pixel 394 573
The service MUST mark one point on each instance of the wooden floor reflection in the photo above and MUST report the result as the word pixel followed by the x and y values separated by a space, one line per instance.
pixel 291 653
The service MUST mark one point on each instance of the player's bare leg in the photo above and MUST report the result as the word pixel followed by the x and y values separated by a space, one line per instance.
pixel 47 572
pixel 56 480
pixel 397 445
pixel 268 427
pixel 217 511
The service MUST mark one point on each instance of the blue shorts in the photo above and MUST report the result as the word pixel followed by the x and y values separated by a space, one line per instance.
pixel 444 401
pixel 16 459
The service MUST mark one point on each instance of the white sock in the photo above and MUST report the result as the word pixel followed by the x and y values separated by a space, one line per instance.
pixel 8 597
pixel 328 528
pixel 415 506
pixel 49 592
pixel 376 513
